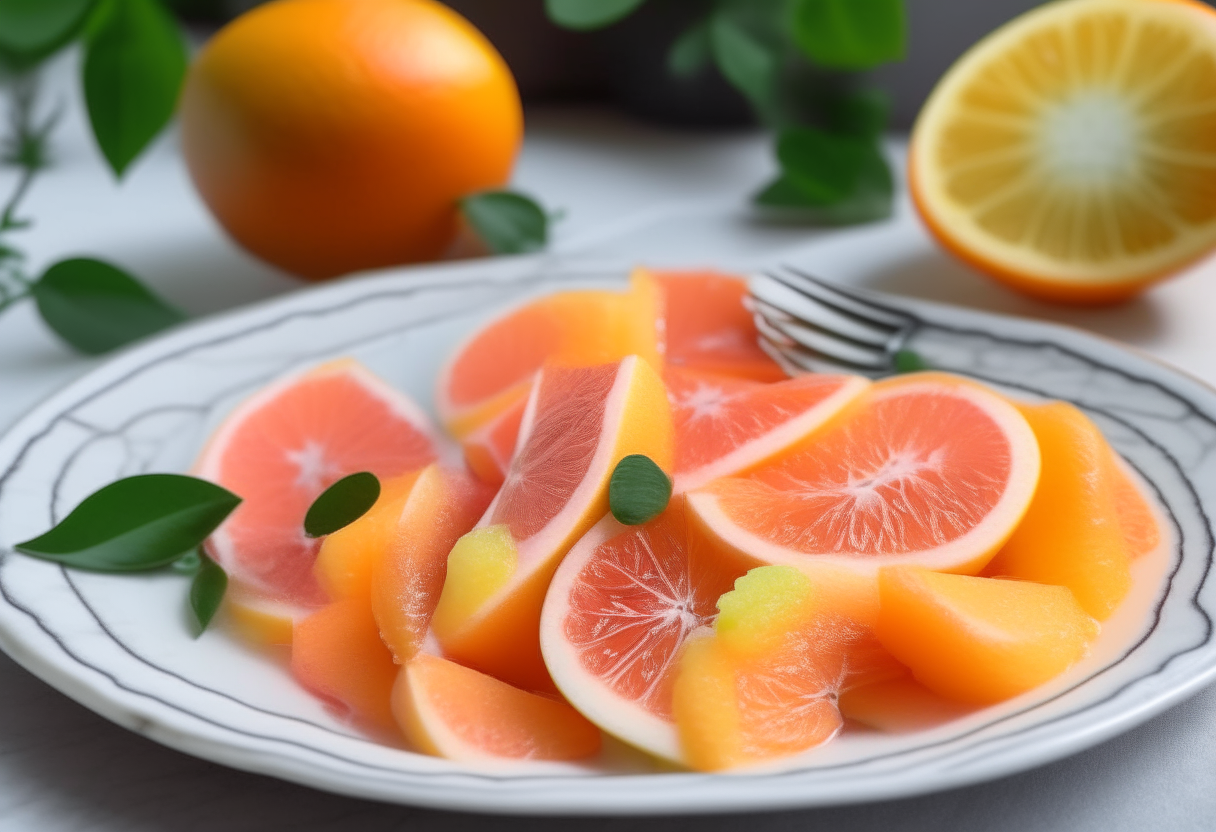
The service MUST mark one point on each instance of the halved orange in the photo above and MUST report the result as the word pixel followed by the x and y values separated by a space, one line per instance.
pixel 926 469
pixel 1072 153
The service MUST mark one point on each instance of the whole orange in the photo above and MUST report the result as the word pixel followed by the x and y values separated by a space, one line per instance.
pixel 329 136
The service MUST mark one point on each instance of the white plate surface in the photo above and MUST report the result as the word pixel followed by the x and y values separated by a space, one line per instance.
pixel 121 645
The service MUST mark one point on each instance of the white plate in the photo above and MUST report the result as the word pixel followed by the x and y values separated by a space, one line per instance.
pixel 121 645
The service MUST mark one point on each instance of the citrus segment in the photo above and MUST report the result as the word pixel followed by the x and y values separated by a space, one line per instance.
pixel 1072 153
pixel 406 578
pixel 764 682
pixel 580 422
pixel 345 561
pixel 706 327
pixel 616 616
pixel 488 449
pixel 927 469
pixel 495 367
pixel 980 640
pixel 1071 535
pixel 454 712
pixel 727 425
pixel 898 705
pixel 337 654
pixel 1133 507
pixel 261 621
pixel 280 449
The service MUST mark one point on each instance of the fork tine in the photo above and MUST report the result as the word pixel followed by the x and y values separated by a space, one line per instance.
pixel 831 348
pixel 815 313
pixel 841 300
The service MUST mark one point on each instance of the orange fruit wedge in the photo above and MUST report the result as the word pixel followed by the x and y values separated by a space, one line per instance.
pixel 454 712
pixel 1072 153
pixel 284 446
pixel 705 326
pixel 980 640
pixel 1071 535
pixel 580 422
pixel 763 683
pixel 926 469
pixel 616 617
pixel 489 448
pixel 494 369
pixel 898 705
pixel 1134 508
pixel 726 425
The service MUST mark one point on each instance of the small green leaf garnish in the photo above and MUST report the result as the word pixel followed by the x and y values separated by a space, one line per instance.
pixel 907 361
pixel 830 178
pixel 96 307
pixel 507 222
pixel 589 14
pixel 207 591
pixel 189 563
pixel 138 523
pixel 341 504
pixel 134 64
pixel 32 29
pixel 638 490
pixel 850 34
pixel 747 54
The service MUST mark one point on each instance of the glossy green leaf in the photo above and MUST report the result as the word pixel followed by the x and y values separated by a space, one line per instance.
pixel 830 179
pixel 850 34
pixel 589 14
pixel 189 563
pixel 135 61
pixel 908 361
pixel 638 490
pixel 96 307
pixel 507 222
pixel 746 55
pixel 141 522
pixel 341 504
pixel 863 113
pixel 691 51
pixel 207 591
pixel 32 29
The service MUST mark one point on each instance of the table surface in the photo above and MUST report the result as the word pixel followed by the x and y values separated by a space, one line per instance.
pixel 630 193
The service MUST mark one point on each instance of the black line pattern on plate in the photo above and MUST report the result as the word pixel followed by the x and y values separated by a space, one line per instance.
pixel 539 279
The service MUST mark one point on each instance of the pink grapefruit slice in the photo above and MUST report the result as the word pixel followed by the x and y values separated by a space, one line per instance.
pixel 579 423
pixel 928 470
pixel 284 446
pixel 725 426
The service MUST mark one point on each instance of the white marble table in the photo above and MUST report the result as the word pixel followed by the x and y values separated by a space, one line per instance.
pixel 632 194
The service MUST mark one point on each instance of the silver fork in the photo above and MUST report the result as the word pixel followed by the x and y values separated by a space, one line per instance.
pixel 810 325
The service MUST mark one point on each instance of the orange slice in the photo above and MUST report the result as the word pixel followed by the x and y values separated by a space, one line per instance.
pixel 283 447
pixel 579 423
pixel 494 368
pixel 1071 535
pixel 927 469
pixel 980 640
pixel 616 617
pixel 705 326
pixel 727 425
pixel 489 449
pixel 1072 153
pixel 899 705
pixel 1134 508
pixel 763 683
pixel 454 712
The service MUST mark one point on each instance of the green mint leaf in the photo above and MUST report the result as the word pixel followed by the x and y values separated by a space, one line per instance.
pixel 96 307
pixel 341 504
pixel 748 57
pixel 638 490
pixel 862 113
pixel 207 592
pixel 829 179
pixel 30 30
pixel 138 523
pixel 589 14
pixel 907 361
pixel 189 563
pixel 691 51
pixel 135 61
pixel 850 34
pixel 507 222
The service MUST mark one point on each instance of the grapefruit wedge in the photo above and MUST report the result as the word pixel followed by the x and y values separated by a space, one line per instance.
pixel 451 711
pixel 616 617
pixel 282 448
pixel 727 425
pixel 928 469
pixel 579 423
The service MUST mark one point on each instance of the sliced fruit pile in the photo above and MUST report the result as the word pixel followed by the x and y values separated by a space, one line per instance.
pixel 835 552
